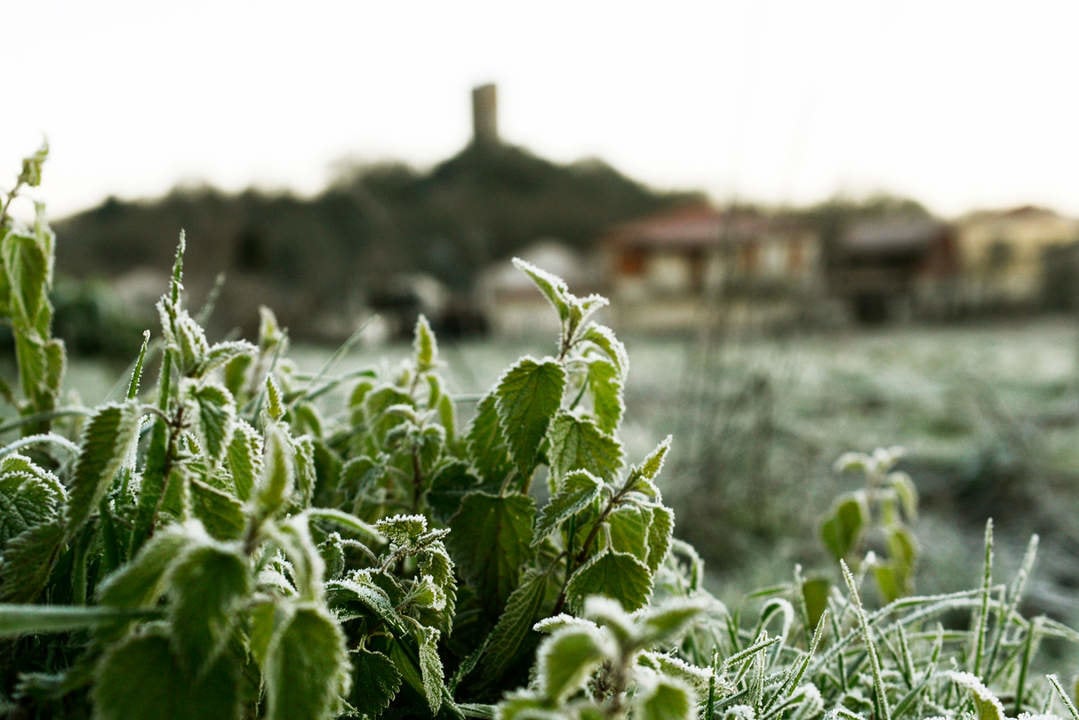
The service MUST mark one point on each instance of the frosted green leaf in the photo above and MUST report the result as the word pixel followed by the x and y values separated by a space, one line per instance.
pixel 526 706
pixel 582 308
pixel 616 575
pixel 667 700
pixel 264 619
pixel 306 419
pixel 207 587
pixel 850 461
pixel 448 488
pixel 986 704
pixel 5 285
pixel 527 397
pixel 506 640
pixel 664 623
pixel 660 532
pixel 447 416
pixel 644 475
pixel 307 669
pixel 359 393
pixel 567 658
pixel 628 525
pixel 27 266
pixel 349 523
pixel 141 678
pixel 217 413
pixel 605 386
pixel 491 539
pixel 552 287
pixel 403 530
pixel 278 474
pixel 29 496
pixel 345 595
pixel 434 390
pixel 908 494
pixel 223 353
pixel 31 166
pixel 435 561
pixel 379 408
pixel 275 408
pixel 191 343
pixel 815 593
pixel 28 560
pixel 142 581
pixel 608 612
pixel 245 458
pixel 361 479
pixel 694 676
pixel 577 444
pixel 604 338
pixel 107 440
pixel 30 357
pixel 54 366
pixel 306 474
pixel 235 373
pixel 221 513
pixel 135 381
pixel 424 346
pixel 431 668
pixel 842 530
pixel 486 445
pixel 579 488
pixel 902 547
pixel 889 581
pixel 428 446
pixel 271 336
pixel 375 682
pixel 306 566
pixel 390 400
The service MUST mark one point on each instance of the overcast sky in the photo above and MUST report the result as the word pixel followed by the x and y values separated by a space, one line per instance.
pixel 959 104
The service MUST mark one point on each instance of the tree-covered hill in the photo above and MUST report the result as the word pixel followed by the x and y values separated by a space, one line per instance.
pixel 328 254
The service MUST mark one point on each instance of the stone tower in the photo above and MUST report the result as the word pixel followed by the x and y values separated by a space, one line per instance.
pixel 485 115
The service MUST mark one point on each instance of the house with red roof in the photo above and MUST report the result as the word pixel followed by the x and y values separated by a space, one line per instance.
pixel 696 265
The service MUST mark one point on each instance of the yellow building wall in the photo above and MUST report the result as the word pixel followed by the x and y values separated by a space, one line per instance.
pixel 1017 275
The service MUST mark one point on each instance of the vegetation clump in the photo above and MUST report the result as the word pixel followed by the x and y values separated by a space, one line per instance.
pixel 234 543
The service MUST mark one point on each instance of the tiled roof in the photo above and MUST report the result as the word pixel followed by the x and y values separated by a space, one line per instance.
pixel 698 225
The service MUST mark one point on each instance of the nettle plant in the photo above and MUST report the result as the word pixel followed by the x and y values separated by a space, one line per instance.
pixel 246 540
pixel 870 526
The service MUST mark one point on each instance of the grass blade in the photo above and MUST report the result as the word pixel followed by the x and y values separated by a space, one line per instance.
pixel 880 695
pixel 981 620
pixel 1068 704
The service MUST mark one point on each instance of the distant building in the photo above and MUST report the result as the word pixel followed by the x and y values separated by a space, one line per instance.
pixel 512 304
pixel 896 267
pixel 677 269
pixel 1003 254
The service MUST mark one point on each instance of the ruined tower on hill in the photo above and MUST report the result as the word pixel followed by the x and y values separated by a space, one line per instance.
pixel 485 115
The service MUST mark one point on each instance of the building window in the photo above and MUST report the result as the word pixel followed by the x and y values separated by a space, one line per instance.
pixel 796 260
pixel 631 261
pixel 748 258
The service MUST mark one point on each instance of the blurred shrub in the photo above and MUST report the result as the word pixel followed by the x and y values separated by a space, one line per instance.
pixel 92 320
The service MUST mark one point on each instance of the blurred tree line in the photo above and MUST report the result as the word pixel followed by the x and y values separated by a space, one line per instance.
pixel 326 256
pixel 319 262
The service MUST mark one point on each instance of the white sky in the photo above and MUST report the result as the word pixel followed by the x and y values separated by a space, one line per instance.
pixel 959 104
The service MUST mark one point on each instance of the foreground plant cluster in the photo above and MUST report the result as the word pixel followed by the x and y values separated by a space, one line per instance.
pixel 245 540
